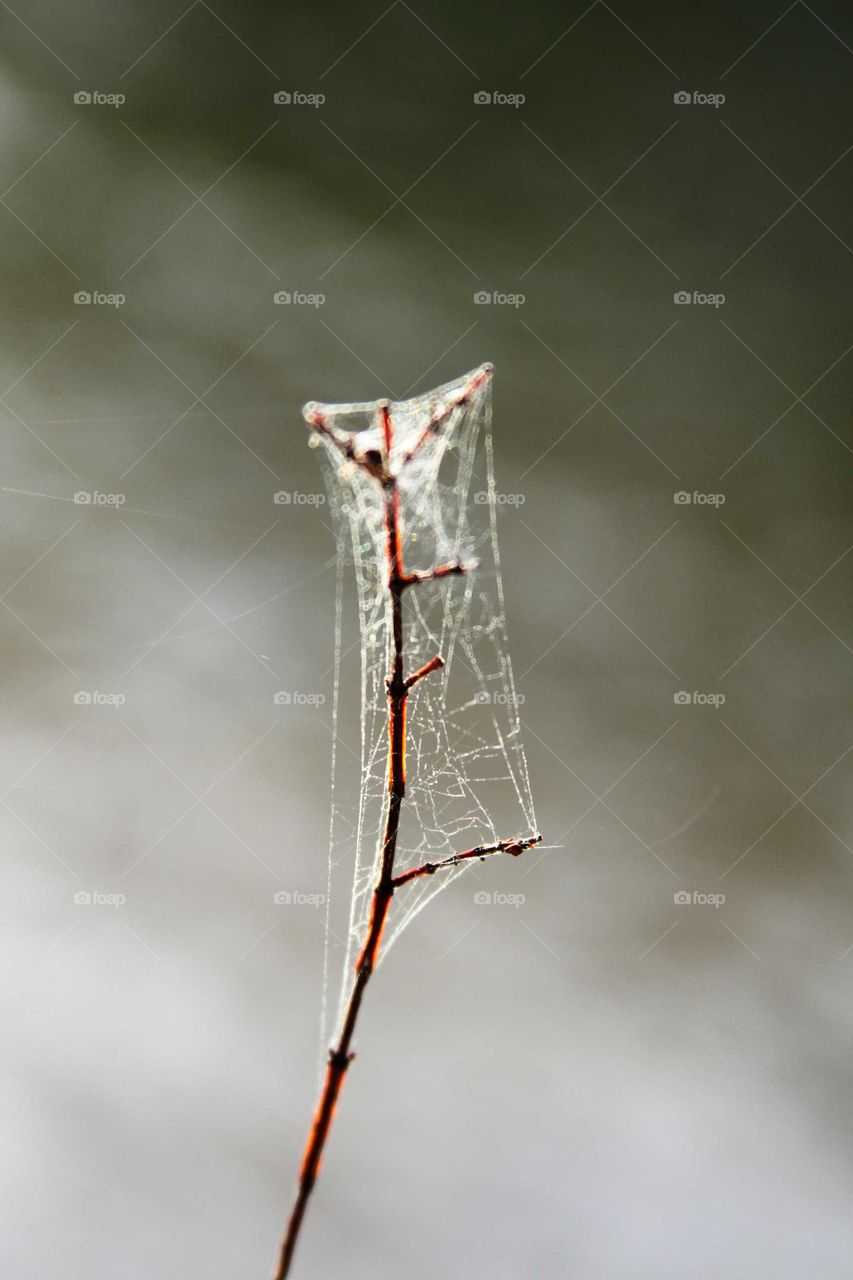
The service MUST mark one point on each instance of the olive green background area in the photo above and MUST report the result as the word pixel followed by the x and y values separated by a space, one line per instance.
pixel 602 1082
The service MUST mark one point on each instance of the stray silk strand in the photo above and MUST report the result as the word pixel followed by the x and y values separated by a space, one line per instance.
pixel 398 686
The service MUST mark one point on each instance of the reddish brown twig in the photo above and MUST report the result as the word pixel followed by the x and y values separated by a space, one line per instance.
pixel 398 687
pixel 513 846
pixel 441 415
pixel 434 664
pixel 440 571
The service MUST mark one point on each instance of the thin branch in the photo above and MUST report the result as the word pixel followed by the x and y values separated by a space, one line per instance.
pixel 440 417
pixel 318 423
pixel 398 686
pixel 513 846
pixel 434 664
pixel 440 571
pixel 371 460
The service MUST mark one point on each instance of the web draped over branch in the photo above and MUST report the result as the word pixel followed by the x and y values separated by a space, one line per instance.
pixel 467 781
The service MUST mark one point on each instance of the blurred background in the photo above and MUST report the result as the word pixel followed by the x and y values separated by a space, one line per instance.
pixel 638 213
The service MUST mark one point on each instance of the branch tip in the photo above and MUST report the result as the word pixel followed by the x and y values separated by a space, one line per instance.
pixel 434 664
pixel 513 845
pixel 452 569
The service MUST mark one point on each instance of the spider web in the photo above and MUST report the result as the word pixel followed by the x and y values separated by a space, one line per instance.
pixel 466 777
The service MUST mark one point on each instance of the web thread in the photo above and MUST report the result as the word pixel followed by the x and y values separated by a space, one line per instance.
pixel 467 779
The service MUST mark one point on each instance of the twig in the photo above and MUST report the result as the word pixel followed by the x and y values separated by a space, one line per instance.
pixel 398 687
pixel 514 846
pixel 434 664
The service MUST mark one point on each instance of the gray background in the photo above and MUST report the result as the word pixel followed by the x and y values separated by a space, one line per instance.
pixel 600 1084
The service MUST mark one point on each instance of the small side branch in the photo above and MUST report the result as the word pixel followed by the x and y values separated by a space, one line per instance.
pixel 318 423
pixel 434 664
pixel 449 570
pixel 440 417
pixel 513 846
